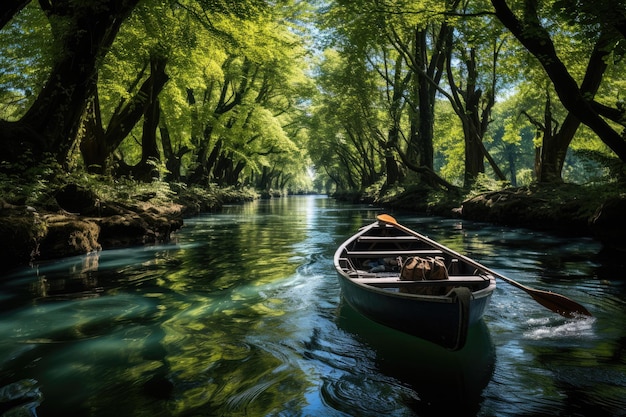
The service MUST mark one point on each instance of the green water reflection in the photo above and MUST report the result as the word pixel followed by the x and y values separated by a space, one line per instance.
pixel 241 315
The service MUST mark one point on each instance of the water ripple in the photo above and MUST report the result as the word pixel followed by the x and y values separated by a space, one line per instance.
pixel 241 315
pixel 551 327
pixel 360 395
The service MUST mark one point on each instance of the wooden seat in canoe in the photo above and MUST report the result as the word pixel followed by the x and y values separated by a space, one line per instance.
pixel 392 282
pixel 391 254
pixel 384 239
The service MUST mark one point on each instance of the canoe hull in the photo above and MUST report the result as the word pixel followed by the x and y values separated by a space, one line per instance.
pixel 442 319
pixel 439 320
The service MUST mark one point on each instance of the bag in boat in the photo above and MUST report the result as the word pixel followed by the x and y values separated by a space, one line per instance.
pixel 419 269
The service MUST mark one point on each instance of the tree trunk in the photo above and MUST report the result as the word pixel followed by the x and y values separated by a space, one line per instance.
pixel 474 111
pixel 173 159
pixel 548 167
pixel 93 143
pixel 510 155
pixel 422 143
pixel 474 155
pixel 236 172
pixel 95 147
pixel 85 32
pixel 391 168
pixel 427 75
pixel 537 41
pixel 395 112
pixel 146 170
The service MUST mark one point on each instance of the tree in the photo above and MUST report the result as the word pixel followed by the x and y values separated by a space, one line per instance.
pixel 346 122
pixel 239 113
pixel 82 32
pixel 474 50
pixel 527 27
pixel 407 51
pixel 512 136
pixel 421 36
pixel 97 143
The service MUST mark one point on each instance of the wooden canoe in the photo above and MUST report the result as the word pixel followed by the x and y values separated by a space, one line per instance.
pixel 440 311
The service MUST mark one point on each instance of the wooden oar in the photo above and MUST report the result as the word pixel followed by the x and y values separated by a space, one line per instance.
pixel 555 302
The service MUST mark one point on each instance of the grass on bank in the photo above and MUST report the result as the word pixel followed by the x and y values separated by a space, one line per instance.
pixel 36 187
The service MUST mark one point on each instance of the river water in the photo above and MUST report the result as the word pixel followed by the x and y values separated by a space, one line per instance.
pixel 241 315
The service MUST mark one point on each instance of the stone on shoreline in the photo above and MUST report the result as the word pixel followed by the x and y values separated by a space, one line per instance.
pixel 81 225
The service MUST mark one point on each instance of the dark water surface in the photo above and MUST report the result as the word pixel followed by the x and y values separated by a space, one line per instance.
pixel 241 315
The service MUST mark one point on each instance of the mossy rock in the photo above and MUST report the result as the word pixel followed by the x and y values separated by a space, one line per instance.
pixel 68 236
pixel 564 208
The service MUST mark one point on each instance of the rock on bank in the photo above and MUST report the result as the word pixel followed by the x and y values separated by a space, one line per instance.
pixel 79 224
pixel 564 208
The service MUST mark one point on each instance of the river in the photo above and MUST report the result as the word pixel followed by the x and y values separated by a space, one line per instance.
pixel 241 315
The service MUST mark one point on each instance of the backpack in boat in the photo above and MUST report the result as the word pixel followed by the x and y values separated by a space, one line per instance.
pixel 419 269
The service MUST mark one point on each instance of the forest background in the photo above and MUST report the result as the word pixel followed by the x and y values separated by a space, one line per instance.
pixel 425 105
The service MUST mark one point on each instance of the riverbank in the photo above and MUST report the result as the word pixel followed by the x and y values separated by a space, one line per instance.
pixel 77 221
pixel 596 211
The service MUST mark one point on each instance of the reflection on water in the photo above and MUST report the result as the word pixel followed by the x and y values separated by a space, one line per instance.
pixel 436 381
pixel 241 315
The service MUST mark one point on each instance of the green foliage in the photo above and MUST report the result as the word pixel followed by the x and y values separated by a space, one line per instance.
pixel 511 140
pixel 25 60
pixel 23 183
pixel 485 183
pixel 448 144
pixel 347 121
pixel 245 74
pixel 128 190
pixel 240 56
pixel 587 166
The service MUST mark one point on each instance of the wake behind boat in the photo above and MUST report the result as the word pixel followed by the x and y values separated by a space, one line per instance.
pixel 405 281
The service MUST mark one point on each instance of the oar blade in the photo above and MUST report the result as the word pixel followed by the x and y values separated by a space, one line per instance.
pixel 386 218
pixel 559 303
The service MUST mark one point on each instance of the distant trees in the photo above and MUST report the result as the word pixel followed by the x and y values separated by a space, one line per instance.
pixel 229 93
pixel 422 52
pixel 474 54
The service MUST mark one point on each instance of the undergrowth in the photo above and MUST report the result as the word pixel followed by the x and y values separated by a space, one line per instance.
pixel 36 186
